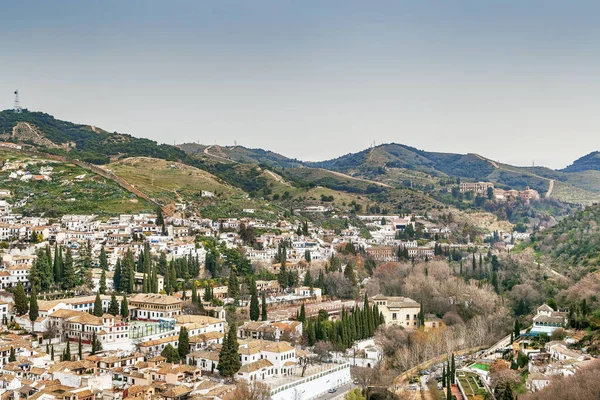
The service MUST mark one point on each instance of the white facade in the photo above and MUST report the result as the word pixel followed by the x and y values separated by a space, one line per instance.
pixel 312 386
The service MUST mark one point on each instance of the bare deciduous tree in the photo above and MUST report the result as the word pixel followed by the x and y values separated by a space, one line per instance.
pixel 253 391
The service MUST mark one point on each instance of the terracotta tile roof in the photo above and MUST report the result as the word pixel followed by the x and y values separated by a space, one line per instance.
pixel 256 365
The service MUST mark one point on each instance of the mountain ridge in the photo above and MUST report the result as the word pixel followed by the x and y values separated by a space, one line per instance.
pixel 386 165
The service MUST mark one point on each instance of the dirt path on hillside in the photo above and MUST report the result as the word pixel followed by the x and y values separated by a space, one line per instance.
pixel 229 160
pixel 277 177
pixel 339 174
pixel 550 188
pixel 494 164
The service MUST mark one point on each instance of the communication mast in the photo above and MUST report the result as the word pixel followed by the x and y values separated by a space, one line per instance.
pixel 17 108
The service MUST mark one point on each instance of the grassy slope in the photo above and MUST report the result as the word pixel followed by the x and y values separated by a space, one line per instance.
pixel 171 182
pixel 167 181
pixel 93 194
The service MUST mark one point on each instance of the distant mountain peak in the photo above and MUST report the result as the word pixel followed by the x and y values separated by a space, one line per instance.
pixel 588 162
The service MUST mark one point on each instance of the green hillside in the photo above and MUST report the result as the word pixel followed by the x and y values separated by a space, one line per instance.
pixel 70 190
pixel 588 162
pixel 573 245
pixel 81 141
pixel 240 154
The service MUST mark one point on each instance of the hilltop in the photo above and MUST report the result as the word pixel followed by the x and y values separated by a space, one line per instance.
pixel 586 163
pixel 391 178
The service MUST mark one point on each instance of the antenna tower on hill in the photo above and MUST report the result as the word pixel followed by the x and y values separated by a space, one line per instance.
pixel 17 108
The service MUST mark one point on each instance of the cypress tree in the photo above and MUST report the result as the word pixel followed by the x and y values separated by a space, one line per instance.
pixel 183 346
pixel 12 357
pixel 80 350
pixel 113 306
pixel 33 307
pixel 194 293
pixel 69 280
pixel 233 285
pixel 102 288
pixel 517 330
pixel 349 273
pixel 117 275
pixel 254 308
pixel 308 281
pixel 96 345
pixel 52 352
pixel 124 308
pixel 154 281
pixel 56 265
pixel 229 362
pixel 444 376
pixel 302 316
pixel 98 306
pixel 282 277
pixel 145 285
pixel 67 353
pixel 21 301
pixel 103 260
pixel 453 370
pixel 264 306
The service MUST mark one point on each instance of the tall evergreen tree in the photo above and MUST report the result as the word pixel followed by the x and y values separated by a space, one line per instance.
pixel 183 346
pixel 517 328
pixel 282 277
pixel 207 294
pixel 117 275
pixel 229 361
pixel 80 349
pixel 20 299
pixel 102 288
pixel 160 220
pixel 194 292
pixel 254 308
pixel 56 265
pixel 233 286
pixel 98 306
pixel 162 264
pixel 12 357
pixel 33 307
pixel 302 316
pixel 154 281
pixel 52 352
pixel 453 370
pixel 263 313
pixel 67 352
pixel 113 306
pixel 124 308
pixel 69 280
pixel 349 273
pixel 308 281
pixel 103 260
pixel 96 345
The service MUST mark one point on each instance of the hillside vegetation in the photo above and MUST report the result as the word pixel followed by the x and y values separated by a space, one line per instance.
pixel 71 190
pixel 573 244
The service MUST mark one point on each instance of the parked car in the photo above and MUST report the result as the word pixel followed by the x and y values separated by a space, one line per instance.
pixel 332 390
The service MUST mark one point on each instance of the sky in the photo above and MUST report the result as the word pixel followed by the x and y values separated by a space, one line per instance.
pixel 515 81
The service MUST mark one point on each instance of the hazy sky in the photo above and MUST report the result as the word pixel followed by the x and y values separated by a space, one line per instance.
pixel 515 81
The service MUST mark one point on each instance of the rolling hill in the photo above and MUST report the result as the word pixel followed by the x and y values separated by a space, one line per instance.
pixel 586 163
pixel 68 189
